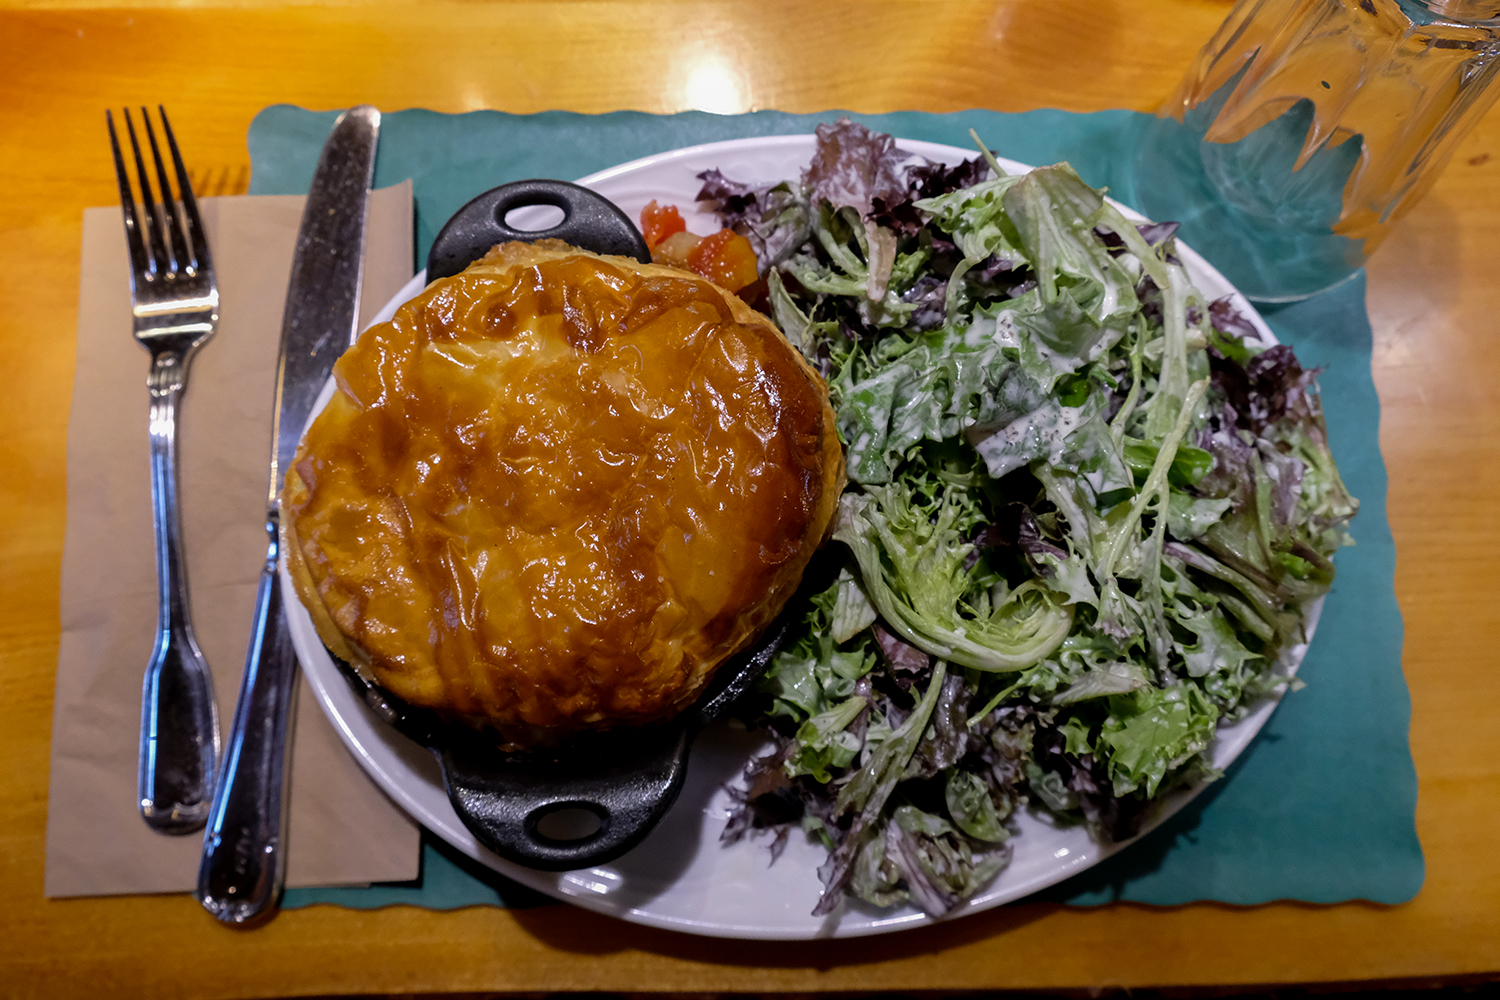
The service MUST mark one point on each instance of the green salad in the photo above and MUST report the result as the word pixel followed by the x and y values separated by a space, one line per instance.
pixel 1087 511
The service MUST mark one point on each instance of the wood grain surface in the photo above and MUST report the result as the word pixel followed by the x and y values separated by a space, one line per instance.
pixel 1434 301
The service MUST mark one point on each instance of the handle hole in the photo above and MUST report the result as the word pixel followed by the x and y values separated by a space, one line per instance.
pixel 534 218
pixel 566 822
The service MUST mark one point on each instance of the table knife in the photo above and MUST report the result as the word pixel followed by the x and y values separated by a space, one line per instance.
pixel 244 846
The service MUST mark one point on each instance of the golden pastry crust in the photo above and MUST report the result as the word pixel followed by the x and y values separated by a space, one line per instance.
pixel 557 490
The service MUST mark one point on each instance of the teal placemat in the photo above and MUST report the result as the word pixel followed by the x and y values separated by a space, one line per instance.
pixel 1319 809
pixel 447 880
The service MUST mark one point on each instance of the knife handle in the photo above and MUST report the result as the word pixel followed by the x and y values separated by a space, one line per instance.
pixel 244 847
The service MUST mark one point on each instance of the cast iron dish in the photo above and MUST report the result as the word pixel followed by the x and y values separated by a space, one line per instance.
pixel 625 778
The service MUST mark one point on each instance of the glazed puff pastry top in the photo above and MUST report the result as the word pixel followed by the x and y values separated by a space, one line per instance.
pixel 557 490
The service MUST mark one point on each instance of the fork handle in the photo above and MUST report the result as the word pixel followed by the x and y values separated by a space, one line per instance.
pixel 179 717
pixel 244 848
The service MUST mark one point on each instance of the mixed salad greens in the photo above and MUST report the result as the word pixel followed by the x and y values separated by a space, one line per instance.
pixel 1087 512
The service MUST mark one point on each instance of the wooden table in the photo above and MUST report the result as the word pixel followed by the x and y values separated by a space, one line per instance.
pixel 1434 300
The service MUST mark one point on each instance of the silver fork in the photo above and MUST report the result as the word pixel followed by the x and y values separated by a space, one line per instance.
pixel 175 305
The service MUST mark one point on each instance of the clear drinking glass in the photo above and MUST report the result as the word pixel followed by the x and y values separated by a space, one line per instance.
pixel 1306 128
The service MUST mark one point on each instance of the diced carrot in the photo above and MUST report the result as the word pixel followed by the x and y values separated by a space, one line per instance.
pixel 660 221
pixel 726 258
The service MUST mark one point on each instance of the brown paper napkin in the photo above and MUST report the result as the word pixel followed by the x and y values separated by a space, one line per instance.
pixel 343 830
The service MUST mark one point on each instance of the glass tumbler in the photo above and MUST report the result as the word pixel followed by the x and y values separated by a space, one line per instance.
pixel 1305 128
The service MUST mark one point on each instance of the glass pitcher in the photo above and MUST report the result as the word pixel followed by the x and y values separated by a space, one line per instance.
pixel 1305 128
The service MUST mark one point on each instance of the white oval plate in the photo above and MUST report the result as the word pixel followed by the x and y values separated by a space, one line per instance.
pixel 680 877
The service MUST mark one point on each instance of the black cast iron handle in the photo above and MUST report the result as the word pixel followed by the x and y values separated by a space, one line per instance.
pixel 627 785
pixel 589 221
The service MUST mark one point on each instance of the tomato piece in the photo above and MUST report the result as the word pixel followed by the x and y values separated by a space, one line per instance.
pixel 660 221
pixel 727 259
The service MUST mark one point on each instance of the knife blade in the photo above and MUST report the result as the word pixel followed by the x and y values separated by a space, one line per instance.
pixel 244 846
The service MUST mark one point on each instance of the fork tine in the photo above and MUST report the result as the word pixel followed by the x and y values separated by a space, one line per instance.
pixel 139 262
pixel 148 206
pixel 171 229
pixel 197 239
